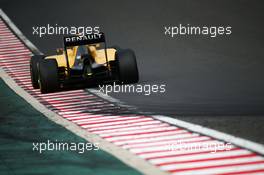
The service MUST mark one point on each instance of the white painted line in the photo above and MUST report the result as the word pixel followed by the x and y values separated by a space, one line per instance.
pixel 115 123
pixel 10 43
pixel 147 140
pixel 200 156
pixel 65 93
pixel 19 61
pixel 99 119
pixel 69 98
pixel 74 103
pixel 213 133
pixel 18 57
pixel 16 54
pixel 124 126
pixel 15 65
pixel 138 131
pixel 180 166
pixel 135 128
pixel 12 49
pixel 92 108
pixel 147 135
pixel 228 169
pixel 22 66
pixel 13 44
pixel 7 39
pixel 12 52
pixel 93 118
pixel 15 69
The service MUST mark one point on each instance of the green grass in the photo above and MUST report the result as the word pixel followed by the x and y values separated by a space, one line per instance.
pixel 21 125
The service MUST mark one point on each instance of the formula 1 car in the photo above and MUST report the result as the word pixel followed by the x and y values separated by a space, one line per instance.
pixel 84 61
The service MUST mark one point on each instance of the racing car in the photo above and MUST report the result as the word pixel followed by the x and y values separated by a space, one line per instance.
pixel 84 61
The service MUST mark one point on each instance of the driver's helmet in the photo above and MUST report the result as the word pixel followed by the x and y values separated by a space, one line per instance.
pixel 81 51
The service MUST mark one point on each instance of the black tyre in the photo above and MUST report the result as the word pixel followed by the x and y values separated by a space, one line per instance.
pixel 34 61
pixel 127 66
pixel 48 76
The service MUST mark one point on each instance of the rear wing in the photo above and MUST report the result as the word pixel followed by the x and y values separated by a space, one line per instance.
pixel 76 40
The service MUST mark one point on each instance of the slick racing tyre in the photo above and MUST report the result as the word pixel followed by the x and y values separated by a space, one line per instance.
pixel 34 61
pixel 127 66
pixel 48 76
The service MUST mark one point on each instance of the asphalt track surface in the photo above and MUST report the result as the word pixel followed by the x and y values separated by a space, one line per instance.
pixel 214 82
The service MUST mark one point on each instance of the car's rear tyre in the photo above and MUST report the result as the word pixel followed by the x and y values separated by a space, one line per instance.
pixel 34 61
pixel 127 66
pixel 48 76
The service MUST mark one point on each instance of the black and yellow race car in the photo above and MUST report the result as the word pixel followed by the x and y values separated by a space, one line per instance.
pixel 85 61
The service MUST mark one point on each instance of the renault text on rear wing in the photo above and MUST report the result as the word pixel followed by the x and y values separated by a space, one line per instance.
pixel 84 40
